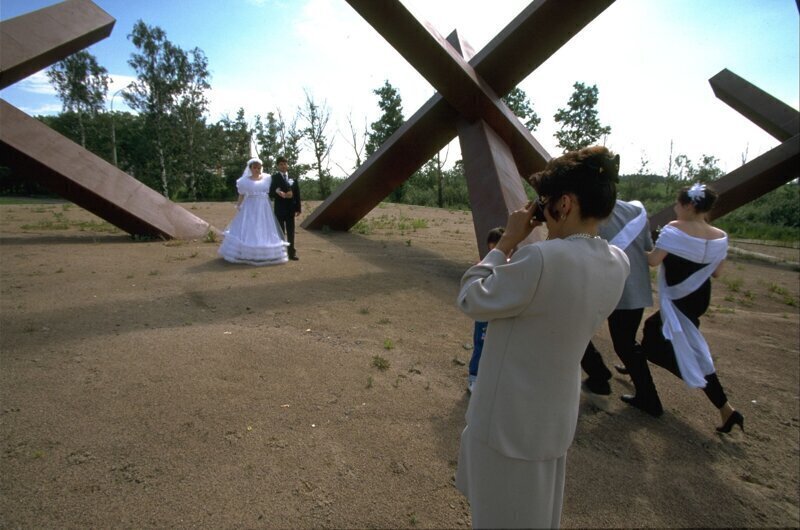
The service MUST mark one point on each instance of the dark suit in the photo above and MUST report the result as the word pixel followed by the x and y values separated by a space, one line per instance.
pixel 285 209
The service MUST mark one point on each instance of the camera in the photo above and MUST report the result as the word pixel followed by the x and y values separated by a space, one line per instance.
pixel 538 211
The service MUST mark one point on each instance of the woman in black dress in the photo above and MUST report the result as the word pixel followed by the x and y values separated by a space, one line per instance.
pixel 689 251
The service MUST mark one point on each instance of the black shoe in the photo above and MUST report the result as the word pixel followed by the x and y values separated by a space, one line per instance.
pixel 652 407
pixel 594 386
pixel 294 258
pixel 621 369
pixel 735 418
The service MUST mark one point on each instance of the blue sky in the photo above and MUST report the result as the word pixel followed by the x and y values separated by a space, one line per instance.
pixel 651 61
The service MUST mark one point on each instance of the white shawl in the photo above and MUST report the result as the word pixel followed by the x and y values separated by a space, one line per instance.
pixel 691 349
pixel 632 229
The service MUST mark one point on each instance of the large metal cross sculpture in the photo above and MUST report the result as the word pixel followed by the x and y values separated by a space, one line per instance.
pixel 497 149
pixel 32 42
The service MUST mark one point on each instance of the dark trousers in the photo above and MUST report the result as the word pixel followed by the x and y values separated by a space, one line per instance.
pixel 659 351
pixel 286 222
pixel 622 325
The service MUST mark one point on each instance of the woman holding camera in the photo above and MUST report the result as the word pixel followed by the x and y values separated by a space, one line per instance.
pixel 543 305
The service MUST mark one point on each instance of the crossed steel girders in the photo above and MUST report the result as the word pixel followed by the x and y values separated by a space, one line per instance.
pixel 764 173
pixel 35 41
pixel 32 42
pixel 467 91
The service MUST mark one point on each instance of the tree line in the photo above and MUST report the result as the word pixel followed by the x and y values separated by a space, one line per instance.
pixel 169 144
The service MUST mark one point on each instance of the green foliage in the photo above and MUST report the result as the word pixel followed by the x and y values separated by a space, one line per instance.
pixel 380 363
pixel 81 84
pixel 267 136
pixel 519 104
pixel 774 216
pixel 580 126
pixel 391 104
pixel 316 116
pixel 169 92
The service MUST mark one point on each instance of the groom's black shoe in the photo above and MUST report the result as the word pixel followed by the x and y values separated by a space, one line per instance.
pixel 650 406
pixel 294 258
pixel 597 386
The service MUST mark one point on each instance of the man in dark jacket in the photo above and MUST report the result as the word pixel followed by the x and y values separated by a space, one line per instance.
pixel 285 191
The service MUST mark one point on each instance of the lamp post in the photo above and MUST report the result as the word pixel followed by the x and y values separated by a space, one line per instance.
pixel 114 129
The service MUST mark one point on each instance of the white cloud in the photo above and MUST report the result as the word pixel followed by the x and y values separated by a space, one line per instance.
pixel 37 83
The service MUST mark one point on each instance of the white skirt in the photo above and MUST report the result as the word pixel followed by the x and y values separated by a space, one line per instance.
pixel 508 492
pixel 253 237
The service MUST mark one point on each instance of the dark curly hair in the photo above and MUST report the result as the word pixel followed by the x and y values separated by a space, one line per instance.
pixel 701 204
pixel 591 174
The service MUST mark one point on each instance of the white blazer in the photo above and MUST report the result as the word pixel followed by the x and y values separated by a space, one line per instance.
pixel 543 307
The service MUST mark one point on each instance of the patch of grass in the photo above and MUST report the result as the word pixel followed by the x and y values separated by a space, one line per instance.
pixel 388 344
pixel 380 363
pixel 175 243
pixel 210 237
pixel 153 273
pixel 28 200
pixel 363 311
pixel 60 270
pixel 129 277
pixel 408 242
pixel 733 284
pixel 369 382
pixel 384 320
pixel 96 226
pixel 46 224
pixel 777 289
pixel 388 223
pixel 361 227
pixel 412 520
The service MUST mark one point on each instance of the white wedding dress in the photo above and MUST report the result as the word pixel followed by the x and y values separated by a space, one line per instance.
pixel 253 237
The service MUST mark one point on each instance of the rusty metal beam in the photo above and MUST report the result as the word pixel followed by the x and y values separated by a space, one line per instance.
pixel 771 114
pixel 493 181
pixel 36 40
pixel 765 173
pixel 66 168
pixel 750 181
pixel 532 37
pixel 442 66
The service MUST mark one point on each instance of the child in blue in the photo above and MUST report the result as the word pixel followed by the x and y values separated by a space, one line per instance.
pixel 479 333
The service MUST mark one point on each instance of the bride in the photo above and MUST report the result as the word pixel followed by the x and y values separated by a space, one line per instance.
pixel 253 237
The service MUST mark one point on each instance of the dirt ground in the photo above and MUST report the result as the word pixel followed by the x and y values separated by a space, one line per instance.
pixel 151 384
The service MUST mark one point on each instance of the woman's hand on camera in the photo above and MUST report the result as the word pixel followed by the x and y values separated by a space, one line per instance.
pixel 519 226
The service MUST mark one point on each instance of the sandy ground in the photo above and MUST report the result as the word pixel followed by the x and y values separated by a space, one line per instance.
pixel 151 384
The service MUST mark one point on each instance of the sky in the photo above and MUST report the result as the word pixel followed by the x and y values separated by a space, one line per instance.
pixel 650 60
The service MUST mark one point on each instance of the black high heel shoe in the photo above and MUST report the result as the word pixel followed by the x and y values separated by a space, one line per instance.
pixel 735 418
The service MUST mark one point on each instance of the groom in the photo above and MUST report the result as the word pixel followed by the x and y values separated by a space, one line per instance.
pixel 285 191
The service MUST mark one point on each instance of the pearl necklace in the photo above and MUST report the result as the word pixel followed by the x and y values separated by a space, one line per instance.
pixel 581 235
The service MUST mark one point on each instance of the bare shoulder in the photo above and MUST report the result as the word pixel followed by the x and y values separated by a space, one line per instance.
pixel 715 232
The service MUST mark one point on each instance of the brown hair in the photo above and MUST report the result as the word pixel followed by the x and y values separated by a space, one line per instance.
pixel 591 174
